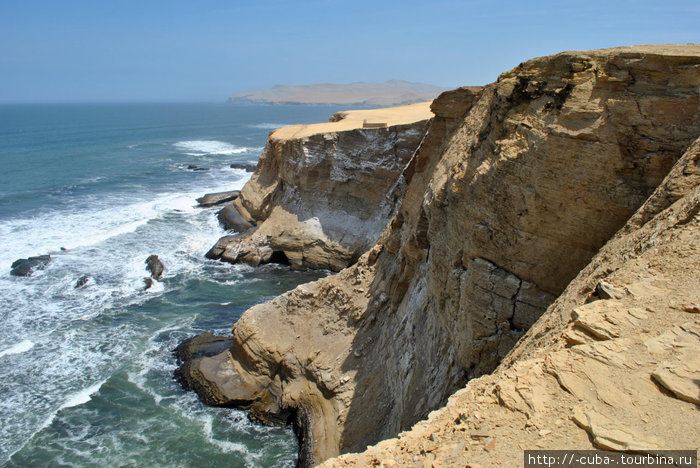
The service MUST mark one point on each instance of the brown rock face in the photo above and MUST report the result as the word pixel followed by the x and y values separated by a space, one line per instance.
pixel 512 192
pixel 613 372
pixel 321 196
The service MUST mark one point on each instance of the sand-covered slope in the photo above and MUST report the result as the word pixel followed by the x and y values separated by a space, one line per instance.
pixel 507 201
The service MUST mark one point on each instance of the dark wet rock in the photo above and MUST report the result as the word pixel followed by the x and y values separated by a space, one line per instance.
pixel 155 266
pixel 245 167
pixel 27 266
pixel 215 252
pixel 63 249
pixel 211 199
pixel 148 282
pixel 192 167
pixel 189 355
pixel 268 412
pixel 232 220
pixel 82 281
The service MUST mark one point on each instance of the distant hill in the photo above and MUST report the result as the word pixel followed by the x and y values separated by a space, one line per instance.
pixel 389 93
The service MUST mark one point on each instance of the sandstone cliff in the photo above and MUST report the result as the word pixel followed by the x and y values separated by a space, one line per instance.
pixel 322 194
pixel 613 364
pixel 512 192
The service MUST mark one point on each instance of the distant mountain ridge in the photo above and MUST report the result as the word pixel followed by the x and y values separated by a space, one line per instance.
pixel 388 93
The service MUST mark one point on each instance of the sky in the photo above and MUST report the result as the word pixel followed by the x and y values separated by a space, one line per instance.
pixel 182 51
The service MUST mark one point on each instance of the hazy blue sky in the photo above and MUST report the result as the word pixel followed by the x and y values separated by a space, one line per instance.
pixel 68 50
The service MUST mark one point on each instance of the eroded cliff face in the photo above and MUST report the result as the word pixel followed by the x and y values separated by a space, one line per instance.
pixel 613 364
pixel 508 198
pixel 322 194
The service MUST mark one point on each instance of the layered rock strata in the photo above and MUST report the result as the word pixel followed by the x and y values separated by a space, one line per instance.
pixel 321 194
pixel 506 201
pixel 613 364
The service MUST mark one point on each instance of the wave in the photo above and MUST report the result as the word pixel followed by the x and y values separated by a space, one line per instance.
pixel 203 147
pixel 268 126
pixel 105 219
pixel 18 348
pixel 81 397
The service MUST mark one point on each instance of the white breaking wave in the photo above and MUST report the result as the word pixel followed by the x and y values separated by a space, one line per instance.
pixel 18 348
pixel 268 126
pixel 81 397
pixel 202 147
pixel 107 219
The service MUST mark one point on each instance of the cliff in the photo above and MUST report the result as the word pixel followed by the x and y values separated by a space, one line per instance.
pixel 613 364
pixel 510 195
pixel 322 193
pixel 389 93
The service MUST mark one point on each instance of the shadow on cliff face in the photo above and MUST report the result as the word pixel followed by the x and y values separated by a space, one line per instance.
pixel 549 163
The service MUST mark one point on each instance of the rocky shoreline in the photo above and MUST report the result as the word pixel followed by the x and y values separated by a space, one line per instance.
pixel 511 200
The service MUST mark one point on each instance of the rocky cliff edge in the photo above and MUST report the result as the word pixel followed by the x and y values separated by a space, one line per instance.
pixel 322 193
pixel 502 210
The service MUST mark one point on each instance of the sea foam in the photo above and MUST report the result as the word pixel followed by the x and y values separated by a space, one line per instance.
pixel 18 348
pixel 202 147
pixel 81 397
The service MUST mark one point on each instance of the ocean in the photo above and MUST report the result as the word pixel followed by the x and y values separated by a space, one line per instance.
pixel 86 374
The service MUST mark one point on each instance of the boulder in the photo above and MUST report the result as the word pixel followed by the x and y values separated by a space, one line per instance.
pixel 27 266
pixel 155 266
pixel 211 199
pixel 147 283
pixel 245 167
pixel 189 355
pixel 82 281
pixel 232 220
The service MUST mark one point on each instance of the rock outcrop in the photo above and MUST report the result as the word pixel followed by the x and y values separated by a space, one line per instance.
pixel 212 199
pixel 512 192
pixel 27 266
pixel 321 194
pixel 154 266
pixel 230 219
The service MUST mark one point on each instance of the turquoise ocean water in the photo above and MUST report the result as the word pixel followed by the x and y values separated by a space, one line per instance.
pixel 86 374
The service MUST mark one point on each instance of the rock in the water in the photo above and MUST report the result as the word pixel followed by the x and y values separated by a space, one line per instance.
pixel 27 266
pixel 192 167
pixel 155 266
pixel 147 283
pixel 82 281
pixel 211 199
pixel 189 355
pixel 231 219
pixel 245 167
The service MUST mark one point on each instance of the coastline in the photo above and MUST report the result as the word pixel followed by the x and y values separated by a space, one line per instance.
pixel 472 255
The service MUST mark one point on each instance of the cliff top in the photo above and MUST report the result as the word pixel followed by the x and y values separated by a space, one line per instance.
pixel 660 49
pixel 389 93
pixel 350 120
